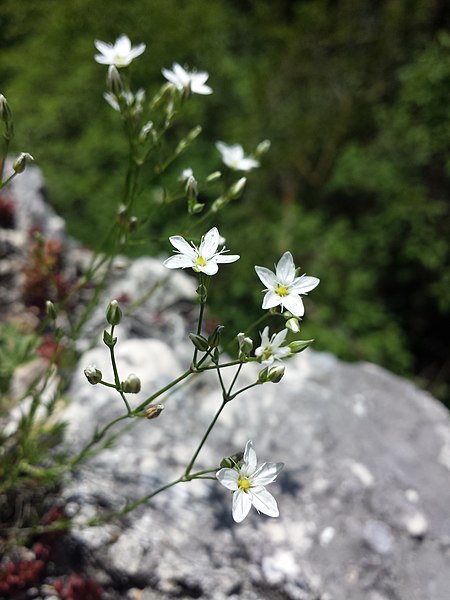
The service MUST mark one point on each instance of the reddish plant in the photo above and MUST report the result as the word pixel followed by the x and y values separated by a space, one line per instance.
pixel 78 588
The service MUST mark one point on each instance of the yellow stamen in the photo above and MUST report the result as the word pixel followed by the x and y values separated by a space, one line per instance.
pixel 201 262
pixel 244 484
pixel 281 290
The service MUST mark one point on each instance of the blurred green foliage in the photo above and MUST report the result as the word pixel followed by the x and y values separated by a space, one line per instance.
pixel 354 97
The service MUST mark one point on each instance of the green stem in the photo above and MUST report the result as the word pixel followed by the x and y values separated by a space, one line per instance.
pixel 204 438
pixel 160 392
pixel 116 373
pixel 244 389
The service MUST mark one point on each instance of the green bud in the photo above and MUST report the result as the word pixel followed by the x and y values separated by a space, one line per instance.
pixel 200 342
pixel 93 375
pixel 262 377
pixel 5 111
pixel 21 162
pixel 109 340
pixel 51 310
pixel 237 188
pixel 195 207
pixel 245 345
pixel 231 461
pixel 154 410
pixel 299 345
pixel 213 176
pixel 262 148
pixel 202 293
pixel 214 338
pixel 132 384
pixel 113 313
pixel 293 324
pixel 275 374
pixel 218 204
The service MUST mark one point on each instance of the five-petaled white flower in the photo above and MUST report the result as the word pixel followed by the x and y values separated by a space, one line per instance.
pixel 271 349
pixel 119 54
pixel 246 480
pixel 283 287
pixel 188 81
pixel 203 259
pixel 233 156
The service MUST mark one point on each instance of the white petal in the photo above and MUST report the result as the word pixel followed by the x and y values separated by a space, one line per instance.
pixel 181 74
pixel 265 336
pixel 270 300
pixel 209 243
pixel 267 276
pixel 294 304
pixel 170 76
pixel 210 268
pixel 137 51
pixel 178 261
pixel 246 164
pixel 226 258
pixel 279 337
pixel 285 268
pixel 241 505
pixel 250 459
pixel 205 90
pixel 267 473
pixel 182 246
pixel 264 502
pixel 122 45
pixel 304 284
pixel 228 478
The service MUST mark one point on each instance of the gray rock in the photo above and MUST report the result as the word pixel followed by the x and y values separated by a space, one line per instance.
pixel 364 508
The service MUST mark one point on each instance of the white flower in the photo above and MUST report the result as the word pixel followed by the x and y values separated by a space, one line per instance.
pixel 120 54
pixel 271 349
pixel 189 81
pixel 246 480
pixel 283 287
pixel 233 156
pixel 203 259
pixel 186 174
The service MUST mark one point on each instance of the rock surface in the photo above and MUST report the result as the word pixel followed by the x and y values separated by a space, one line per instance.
pixel 363 497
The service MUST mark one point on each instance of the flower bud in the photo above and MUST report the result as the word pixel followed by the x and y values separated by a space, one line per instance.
pixel 275 374
pixel 5 111
pixel 293 324
pixel 154 410
pixel 200 342
pixel 132 384
pixel 262 148
pixel 299 345
pixel 93 375
pixel 231 461
pixel 21 162
pixel 236 188
pixel 262 377
pixel 245 345
pixel 51 310
pixel 213 176
pixel 114 81
pixel 214 338
pixel 191 187
pixel 145 130
pixel 113 313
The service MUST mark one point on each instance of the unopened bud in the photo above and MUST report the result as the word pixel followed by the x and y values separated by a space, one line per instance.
pixel 21 162
pixel 245 345
pixel 113 313
pixel 299 345
pixel 262 148
pixel 262 377
pixel 114 81
pixel 214 338
pixel 132 384
pixel 231 461
pixel 293 324
pixel 213 177
pixel 145 130
pixel 191 187
pixel 154 410
pixel 236 188
pixel 93 375
pixel 200 342
pixel 275 374
pixel 50 309
pixel 5 111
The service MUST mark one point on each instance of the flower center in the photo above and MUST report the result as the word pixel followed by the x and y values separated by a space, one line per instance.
pixel 201 262
pixel 244 484
pixel 281 290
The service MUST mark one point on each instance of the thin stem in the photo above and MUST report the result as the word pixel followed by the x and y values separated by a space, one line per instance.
pixel 204 438
pixel 161 391
pixel 244 389
pixel 236 375
pixel 116 373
